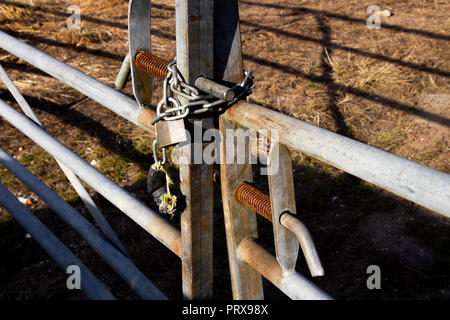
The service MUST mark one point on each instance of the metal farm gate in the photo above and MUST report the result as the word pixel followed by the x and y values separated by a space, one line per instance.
pixel 206 83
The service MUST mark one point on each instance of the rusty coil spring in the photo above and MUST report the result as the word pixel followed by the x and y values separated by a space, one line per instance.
pixel 151 64
pixel 255 199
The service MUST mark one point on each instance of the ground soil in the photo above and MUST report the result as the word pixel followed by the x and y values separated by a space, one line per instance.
pixel 315 60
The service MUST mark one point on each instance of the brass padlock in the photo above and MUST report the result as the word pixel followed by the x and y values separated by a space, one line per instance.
pixel 170 132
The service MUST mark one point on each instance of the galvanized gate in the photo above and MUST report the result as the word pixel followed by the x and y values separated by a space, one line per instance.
pixel 208 45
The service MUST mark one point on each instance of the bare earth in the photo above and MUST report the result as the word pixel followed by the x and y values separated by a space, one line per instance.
pixel 315 60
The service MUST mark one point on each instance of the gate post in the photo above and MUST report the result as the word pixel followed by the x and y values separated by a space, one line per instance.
pixel 240 221
pixel 194 37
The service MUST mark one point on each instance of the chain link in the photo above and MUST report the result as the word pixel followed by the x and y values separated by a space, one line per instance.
pixel 169 108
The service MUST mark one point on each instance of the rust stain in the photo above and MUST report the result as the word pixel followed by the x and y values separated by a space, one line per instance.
pixel 195 18
pixel 261 260
pixel 152 64
pixel 255 199
pixel 145 118
pixel 175 245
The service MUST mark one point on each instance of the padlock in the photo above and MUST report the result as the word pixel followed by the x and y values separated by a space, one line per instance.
pixel 155 180
pixel 170 132
pixel 163 185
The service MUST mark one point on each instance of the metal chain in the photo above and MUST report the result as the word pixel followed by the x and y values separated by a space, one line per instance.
pixel 196 102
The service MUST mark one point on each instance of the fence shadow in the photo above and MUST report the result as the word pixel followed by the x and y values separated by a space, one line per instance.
pixel 36 39
pixel 357 92
pixel 352 226
pixel 332 86
pixel 302 10
pixel 23 68
pixel 327 76
pixel 330 44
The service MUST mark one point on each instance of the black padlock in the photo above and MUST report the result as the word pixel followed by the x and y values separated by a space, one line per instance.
pixel 155 180
pixel 157 186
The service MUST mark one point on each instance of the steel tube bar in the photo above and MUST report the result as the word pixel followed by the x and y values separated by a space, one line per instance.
pixel 95 212
pixel 216 89
pixel 137 211
pixel 18 96
pixel 418 183
pixel 294 285
pixel 107 96
pixel 120 263
pixel 261 204
pixel 84 195
pixel 93 288
pixel 124 73
pixel 305 240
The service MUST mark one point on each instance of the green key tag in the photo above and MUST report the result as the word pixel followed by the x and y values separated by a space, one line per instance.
pixel 168 200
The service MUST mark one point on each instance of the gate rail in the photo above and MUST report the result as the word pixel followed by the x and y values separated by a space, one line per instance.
pixel 248 260
pixel 423 185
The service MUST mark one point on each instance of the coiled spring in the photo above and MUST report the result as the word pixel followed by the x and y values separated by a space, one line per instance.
pixel 255 199
pixel 151 64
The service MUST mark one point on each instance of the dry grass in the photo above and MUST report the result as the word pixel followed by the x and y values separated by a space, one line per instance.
pixel 312 60
pixel 14 18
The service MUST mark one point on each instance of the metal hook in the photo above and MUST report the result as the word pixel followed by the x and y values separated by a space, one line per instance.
pixel 306 242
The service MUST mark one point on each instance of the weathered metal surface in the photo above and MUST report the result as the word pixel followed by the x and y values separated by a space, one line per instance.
pixel 294 285
pixel 216 89
pixel 282 198
pixel 240 220
pixel 254 199
pixel 151 64
pixel 194 33
pixel 228 63
pixel 290 229
pixel 137 211
pixel 170 132
pixel 145 118
pixel 106 96
pixel 115 259
pixel 306 242
pixel 194 36
pixel 18 96
pixel 139 40
pixel 84 195
pixel 197 227
pixel 415 182
pixel 93 288
pixel 124 73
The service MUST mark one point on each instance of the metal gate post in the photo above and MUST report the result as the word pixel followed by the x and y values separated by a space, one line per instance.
pixel 240 220
pixel 282 199
pixel 194 36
